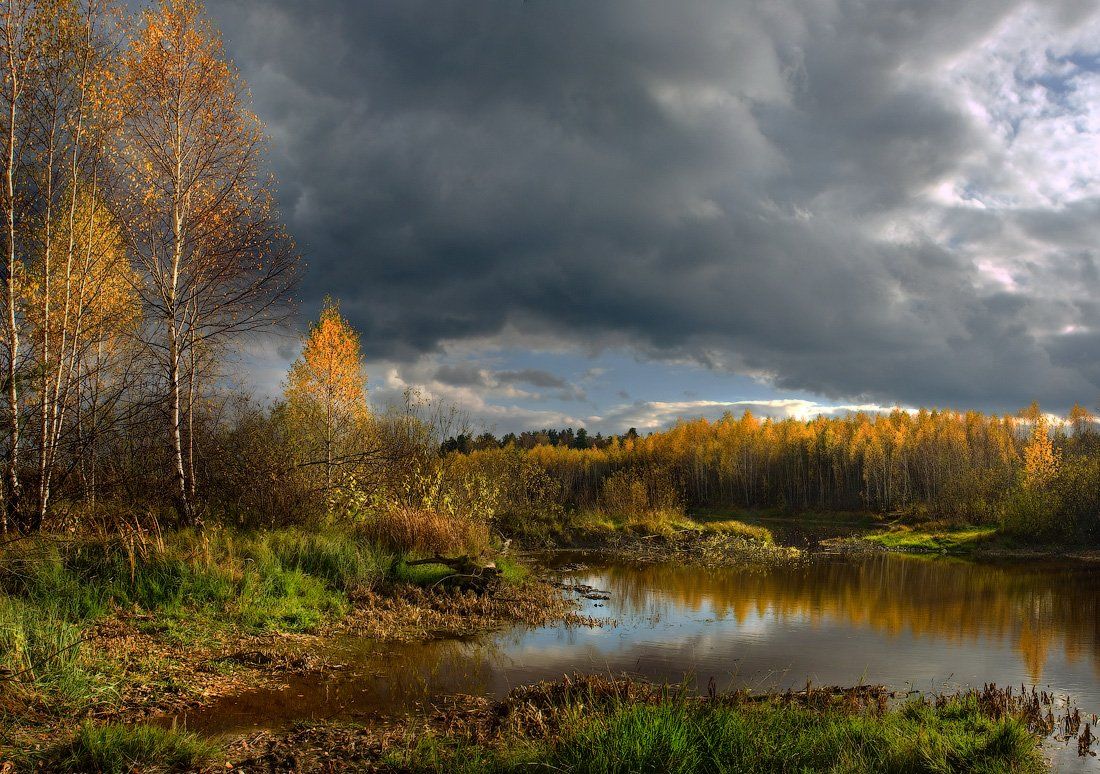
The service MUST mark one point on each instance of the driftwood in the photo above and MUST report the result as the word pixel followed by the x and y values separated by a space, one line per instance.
pixel 465 572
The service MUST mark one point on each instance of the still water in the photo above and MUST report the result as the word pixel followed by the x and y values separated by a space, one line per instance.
pixel 908 622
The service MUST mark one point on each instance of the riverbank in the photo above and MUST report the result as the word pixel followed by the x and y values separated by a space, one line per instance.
pixel 596 724
pixel 860 531
pixel 976 542
pixel 655 536
pixel 97 631
pixel 100 631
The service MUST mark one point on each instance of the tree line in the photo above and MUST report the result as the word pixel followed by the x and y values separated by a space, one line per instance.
pixel 528 439
pixel 1025 471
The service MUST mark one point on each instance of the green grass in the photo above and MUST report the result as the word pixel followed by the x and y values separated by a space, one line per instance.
pixel 338 559
pixel 187 587
pixel 682 736
pixel 223 571
pixel 282 600
pixel 419 574
pixel 952 541
pixel 667 523
pixel 513 572
pixel 428 575
pixel 42 652
pixel 115 748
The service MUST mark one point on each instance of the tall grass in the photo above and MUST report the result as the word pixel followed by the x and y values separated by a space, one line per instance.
pixel 81 580
pixel 422 531
pixel 114 748
pixel 677 738
pixel 41 652
pixel 53 589
pixel 753 532
pixel 336 558
pixel 681 736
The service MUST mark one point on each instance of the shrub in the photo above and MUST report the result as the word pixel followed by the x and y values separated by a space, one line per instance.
pixel 1029 512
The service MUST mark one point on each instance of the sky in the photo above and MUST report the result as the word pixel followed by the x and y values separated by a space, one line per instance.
pixel 616 213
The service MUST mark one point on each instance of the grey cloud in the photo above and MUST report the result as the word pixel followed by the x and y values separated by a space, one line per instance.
pixel 700 179
pixel 469 375
pixel 461 375
pixel 532 376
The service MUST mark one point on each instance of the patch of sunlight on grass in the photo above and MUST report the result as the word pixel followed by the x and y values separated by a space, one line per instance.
pixel 954 541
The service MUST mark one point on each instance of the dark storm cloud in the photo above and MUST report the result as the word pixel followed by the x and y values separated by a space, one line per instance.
pixel 707 180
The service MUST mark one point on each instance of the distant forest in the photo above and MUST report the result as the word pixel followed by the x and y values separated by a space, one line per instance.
pixel 1028 472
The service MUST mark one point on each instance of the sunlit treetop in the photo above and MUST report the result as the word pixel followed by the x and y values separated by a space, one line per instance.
pixel 328 377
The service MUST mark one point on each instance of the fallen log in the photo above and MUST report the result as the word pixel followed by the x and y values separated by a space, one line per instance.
pixel 465 572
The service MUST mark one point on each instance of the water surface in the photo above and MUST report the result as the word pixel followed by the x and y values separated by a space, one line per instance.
pixel 908 622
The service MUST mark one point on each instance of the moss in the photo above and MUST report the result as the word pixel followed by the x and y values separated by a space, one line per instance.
pixel 512 571
pixel 419 574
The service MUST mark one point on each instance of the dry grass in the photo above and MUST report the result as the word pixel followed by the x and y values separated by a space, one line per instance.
pixel 410 613
pixel 741 529
pixel 418 531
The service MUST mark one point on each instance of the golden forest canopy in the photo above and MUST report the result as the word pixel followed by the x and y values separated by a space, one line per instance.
pixel 946 464
pixel 91 294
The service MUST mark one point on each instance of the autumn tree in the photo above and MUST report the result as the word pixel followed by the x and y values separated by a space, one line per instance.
pixel 1081 420
pixel 1041 459
pixel 21 24
pixel 326 394
pixel 214 261
pixel 85 304
pixel 71 265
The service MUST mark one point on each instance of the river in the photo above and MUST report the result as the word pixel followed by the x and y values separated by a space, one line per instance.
pixel 927 624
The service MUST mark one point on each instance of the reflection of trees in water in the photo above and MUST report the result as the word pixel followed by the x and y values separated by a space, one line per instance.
pixel 1030 606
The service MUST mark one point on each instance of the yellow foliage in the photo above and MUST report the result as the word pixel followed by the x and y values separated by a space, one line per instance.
pixel 1041 459
pixel 91 296
pixel 326 384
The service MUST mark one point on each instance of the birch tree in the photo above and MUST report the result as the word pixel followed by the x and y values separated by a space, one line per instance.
pixel 326 395
pixel 213 260
pixel 20 22
pixel 72 265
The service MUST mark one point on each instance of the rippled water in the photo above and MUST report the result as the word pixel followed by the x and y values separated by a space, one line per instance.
pixel 908 622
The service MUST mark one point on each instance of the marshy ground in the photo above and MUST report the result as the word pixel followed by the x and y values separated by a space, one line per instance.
pixel 141 655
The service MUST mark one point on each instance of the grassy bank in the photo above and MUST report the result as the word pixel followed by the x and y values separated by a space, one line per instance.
pixel 594 528
pixel 959 541
pixel 600 726
pixel 115 628
pixel 680 735
pixel 973 542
